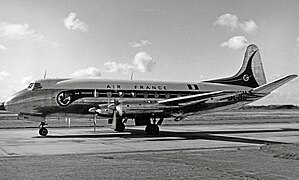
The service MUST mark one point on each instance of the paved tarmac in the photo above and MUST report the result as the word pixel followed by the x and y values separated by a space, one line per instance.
pixel 27 142
pixel 266 148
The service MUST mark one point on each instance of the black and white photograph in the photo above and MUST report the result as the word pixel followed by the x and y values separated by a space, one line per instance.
pixel 149 89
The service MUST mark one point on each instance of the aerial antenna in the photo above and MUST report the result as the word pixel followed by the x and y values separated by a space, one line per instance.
pixel 132 75
pixel 45 75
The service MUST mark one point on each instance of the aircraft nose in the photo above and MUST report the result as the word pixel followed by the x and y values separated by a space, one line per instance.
pixel 7 103
pixel 2 107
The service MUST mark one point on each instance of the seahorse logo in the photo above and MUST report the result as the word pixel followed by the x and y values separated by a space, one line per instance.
pixel 246 77
pixel 64 98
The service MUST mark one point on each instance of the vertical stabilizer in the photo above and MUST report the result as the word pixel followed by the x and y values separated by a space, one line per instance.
pixel 251 73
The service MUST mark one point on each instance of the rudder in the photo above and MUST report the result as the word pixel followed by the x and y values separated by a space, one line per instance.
pixel 251 73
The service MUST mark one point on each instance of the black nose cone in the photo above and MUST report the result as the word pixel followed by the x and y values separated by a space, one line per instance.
pixel 2 108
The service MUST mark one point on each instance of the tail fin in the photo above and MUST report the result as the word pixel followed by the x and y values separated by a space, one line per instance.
pixel 251 73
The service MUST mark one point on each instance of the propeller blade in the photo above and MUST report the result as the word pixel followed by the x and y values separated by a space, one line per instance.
pixel 119 110
pixel 114 120
pixel 94 122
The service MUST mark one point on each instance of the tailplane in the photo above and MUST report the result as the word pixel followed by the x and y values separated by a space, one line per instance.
pixel 267 88
pixel 251 73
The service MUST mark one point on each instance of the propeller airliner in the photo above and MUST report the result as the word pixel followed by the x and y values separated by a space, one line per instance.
pixel 145 102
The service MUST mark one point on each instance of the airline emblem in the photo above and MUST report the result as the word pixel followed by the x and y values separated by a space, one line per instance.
pixel 246 77
pixel 64 98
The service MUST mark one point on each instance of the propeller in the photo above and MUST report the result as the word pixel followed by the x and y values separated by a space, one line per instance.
pixel 94 122
pixel 94 110
pixel 117 111
pixel 116 108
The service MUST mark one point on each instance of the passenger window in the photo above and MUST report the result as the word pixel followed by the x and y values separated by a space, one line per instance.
pixel 167 95
pixel 109 94
pixel 121 94
pixel 156 95
pixel 133 94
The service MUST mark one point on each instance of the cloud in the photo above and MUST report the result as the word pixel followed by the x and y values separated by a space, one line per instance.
pixel 15 31
pixel 10 31
pixel 26 80
pixel 248 26
pixel 71 23
pixel 297 41
pixel 142 62
pixel 118 67
pixel 87 73
pixel 2 47
pixel 140 44
pixel 3 74
pixel 236 42
pixel 231 21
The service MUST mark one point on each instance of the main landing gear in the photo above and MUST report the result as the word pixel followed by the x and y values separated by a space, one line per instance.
pixel 120 125
pixel 153 129
pixel 42 130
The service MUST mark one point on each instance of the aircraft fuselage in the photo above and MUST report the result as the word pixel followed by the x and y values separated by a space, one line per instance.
pixel 138 98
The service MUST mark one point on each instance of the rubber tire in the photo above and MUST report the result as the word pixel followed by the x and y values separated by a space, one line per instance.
pixel 152 129
pixel 148 129
pixel 155 130
pixel 120 127
pixel 43 131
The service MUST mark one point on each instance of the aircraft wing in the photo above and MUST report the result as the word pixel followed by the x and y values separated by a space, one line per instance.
pixel 197 98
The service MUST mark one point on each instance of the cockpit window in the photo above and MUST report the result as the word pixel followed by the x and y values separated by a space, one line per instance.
pixel 37 86
pixel 34 86
pixel 30 86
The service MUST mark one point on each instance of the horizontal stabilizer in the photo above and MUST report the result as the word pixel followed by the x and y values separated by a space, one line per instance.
pixel 267 88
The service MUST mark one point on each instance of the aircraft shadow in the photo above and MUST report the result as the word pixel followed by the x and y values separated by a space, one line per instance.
pixel 204 135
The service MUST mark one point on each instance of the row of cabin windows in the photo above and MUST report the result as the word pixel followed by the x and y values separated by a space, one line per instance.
pixel 142 95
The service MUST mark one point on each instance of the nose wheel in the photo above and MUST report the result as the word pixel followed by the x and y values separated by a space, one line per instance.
pixel 42 130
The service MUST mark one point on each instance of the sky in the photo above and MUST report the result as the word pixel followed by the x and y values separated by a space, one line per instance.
pixel 164 40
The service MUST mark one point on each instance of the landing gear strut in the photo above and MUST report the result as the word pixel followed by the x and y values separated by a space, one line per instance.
pixel 42 130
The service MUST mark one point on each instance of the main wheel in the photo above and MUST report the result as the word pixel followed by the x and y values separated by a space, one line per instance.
pixel 155 130
pixel 120 127
pixel 148 129
pixel 43 131
pixel 152 129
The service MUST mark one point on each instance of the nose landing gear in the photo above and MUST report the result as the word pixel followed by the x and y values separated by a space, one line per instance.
pixel 42 130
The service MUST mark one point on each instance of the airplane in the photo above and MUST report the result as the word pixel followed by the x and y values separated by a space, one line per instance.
pixel 145 102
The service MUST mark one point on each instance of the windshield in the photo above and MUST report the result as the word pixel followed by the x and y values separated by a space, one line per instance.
pixel 30 86
pixel 34 86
